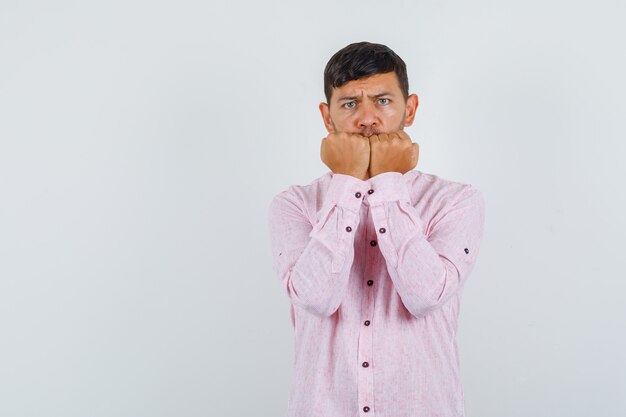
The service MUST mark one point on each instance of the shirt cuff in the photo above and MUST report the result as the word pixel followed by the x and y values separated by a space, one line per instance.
pixel 346 191
pixel 388 186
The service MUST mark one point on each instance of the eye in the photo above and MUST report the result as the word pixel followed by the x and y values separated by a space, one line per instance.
pixel 349 105
pixel 383 101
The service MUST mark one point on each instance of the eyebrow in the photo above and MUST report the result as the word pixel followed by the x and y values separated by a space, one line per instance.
pixel 350 98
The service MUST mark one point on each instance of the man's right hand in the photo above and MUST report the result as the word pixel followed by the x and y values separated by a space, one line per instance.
pixel 346 153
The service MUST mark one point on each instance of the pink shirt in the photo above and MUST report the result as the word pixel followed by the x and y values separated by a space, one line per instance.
pixel 374 271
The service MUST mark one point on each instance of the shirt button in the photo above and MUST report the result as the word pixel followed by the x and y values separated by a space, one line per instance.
pixel 373 243
pixel 367 322
pixel 466 250
pixel 370 191
pixel 348 229
pixel 365 364
pixel 382 230
pixel 370 282
pixel 358 195
pixel 366 409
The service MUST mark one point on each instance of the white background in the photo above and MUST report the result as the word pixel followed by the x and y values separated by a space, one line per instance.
pixel 141 143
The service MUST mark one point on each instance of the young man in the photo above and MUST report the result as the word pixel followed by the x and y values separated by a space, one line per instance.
pixel 373 256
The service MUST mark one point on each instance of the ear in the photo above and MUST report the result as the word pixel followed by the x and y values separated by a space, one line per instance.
pixel 325 110
pixel 411 107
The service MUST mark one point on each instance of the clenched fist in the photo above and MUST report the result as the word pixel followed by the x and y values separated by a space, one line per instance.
pixel 392 152
pixel 346 153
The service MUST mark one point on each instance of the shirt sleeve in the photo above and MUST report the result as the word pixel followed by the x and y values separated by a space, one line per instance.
pixel 313 261
pixel 426 270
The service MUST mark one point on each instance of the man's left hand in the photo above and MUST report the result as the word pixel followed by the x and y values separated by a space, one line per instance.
pixel 392 152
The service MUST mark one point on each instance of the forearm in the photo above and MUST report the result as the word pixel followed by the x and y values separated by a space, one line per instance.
pixel 313 261
pixel 426 269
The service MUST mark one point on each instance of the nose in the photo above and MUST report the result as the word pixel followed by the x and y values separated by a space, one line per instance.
pixel 367 118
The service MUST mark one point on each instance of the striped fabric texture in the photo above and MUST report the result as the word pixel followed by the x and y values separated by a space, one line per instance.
pixel 374 271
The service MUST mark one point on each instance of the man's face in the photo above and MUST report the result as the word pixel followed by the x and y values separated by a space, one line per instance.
pixel 369 106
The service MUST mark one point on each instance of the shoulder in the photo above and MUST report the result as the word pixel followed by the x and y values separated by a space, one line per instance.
pixel 306 191
pixel 435 193
pixel 304 198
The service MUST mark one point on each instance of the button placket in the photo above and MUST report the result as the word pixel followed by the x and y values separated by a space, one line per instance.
pixel 356 195
pixel 351 210
pixel 365 349
pixel 380 221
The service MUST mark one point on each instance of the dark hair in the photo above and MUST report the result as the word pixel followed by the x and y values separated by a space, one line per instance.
pixel 360 60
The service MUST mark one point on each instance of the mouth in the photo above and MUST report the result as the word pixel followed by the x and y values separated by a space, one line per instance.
pixel 369 133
